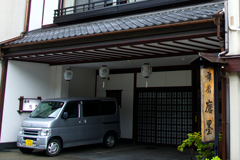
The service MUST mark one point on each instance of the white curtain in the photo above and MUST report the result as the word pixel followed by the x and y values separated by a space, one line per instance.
pixel 68 3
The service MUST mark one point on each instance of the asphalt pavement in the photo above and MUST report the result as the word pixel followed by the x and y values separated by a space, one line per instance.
pixel 121 151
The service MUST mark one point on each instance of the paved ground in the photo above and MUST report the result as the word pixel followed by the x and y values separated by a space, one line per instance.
pixel 121 151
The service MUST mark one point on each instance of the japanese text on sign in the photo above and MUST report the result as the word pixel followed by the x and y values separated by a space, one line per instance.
pixel 207 105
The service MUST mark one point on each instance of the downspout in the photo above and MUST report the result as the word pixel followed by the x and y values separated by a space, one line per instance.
pixel 226 31
pixel 226 108
pixel 228 118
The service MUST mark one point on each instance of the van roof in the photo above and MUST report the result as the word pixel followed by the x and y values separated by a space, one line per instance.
pixel 80 99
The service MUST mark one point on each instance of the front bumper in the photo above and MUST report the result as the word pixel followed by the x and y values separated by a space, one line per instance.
pixel 38 142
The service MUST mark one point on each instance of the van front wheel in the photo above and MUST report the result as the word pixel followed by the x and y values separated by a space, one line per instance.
pixel 109 140
pixel 53 148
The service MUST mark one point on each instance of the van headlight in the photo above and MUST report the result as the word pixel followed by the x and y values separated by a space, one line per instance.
pixel 21 130
pixel 45 132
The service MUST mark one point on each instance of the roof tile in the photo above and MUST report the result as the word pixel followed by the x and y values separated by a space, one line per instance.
pixel 185 14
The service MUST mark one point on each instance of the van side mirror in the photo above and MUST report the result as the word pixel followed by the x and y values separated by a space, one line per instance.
pixel 65 115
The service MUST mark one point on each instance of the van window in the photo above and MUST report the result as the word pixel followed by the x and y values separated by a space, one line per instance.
pixel 91 108
pixel 72 109
pixel 108 108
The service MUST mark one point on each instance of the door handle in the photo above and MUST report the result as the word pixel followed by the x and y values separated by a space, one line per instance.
pixel 85 121
pixel 80 122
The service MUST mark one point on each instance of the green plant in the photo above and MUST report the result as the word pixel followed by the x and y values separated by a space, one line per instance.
pixel 194 139
pixel 214 158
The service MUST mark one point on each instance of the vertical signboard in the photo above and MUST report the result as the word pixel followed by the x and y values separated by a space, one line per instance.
pixel 207 105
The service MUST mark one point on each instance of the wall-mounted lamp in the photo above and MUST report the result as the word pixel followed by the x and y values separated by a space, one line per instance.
pixel 103 73
pixel 68 74
pixel 146 71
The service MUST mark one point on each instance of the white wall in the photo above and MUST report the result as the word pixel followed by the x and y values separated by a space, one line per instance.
pixel 234 36
pixel 36 12
pixel 165 79
pixel 29 80
pixel 83 83
pixel 234 79
pixel 234 86
pixel 12 18
pixel 50 6
pixel 124 82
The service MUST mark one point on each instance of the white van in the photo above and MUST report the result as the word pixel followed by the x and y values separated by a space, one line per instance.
pixel 61 123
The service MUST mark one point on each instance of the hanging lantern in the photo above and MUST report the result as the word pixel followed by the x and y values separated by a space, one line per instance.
pixel 68 75
pixel 146 71
pixel 103 73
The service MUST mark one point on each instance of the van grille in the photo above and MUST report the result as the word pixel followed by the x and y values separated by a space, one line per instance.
pixel 25 138
pixel 30 133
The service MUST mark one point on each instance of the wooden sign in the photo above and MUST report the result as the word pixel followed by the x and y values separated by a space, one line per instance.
pixel 28 104
pixel 207 105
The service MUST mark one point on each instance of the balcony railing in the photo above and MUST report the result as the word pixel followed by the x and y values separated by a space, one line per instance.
pixel 90 6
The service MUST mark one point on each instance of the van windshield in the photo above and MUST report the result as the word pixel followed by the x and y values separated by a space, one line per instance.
pixel 47 110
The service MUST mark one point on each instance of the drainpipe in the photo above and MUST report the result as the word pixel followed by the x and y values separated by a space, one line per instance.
pixel 226 31
pixel 225 85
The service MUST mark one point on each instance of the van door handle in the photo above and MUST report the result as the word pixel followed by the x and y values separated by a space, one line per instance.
pixel 85 121
pixel 80 122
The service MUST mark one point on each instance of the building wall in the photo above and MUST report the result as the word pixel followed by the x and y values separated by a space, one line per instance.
pixel 234 79
pixel 234 85
pixel 234 36
pixel 12 18
pixel 30 80
pixel 125 82
pixel 165 79
pixel 41 14
pixel 83 83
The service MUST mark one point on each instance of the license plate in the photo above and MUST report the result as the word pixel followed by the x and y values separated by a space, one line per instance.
pixel 29 142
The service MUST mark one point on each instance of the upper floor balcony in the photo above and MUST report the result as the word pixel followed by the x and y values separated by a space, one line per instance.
pixel 82 10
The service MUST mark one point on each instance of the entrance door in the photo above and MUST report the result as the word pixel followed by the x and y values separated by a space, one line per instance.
pixel 164 117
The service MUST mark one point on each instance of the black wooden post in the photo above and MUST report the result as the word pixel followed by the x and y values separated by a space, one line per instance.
pixel 216 80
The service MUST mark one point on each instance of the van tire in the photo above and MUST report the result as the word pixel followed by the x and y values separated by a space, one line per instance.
pixel 109 140
pixel 26 150
pixel 53 148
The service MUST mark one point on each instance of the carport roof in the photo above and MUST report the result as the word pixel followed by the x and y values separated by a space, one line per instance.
pixel 127 23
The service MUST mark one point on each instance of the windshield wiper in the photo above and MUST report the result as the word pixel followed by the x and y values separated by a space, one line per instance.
pixel 50 117
pixel 38 116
